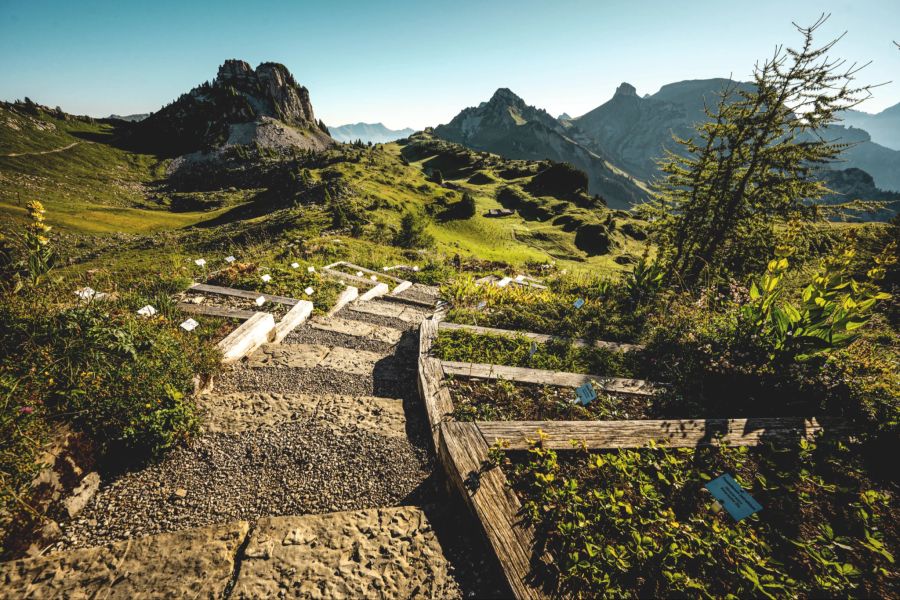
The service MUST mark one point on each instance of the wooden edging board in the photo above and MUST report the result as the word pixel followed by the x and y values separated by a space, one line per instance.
pixel 397 280
pixel 463 448
pixel 216 311
pixel 540 337
pixel 675 433
pixel 617 385
pixel 226 291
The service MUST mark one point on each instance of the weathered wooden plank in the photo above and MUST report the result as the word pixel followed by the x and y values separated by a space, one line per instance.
pixel 541 337
pixel 613 385
pixel 464 454
pixel 349 294
pixel 379 289
pixel 215 311
pixel 252 333
pixel 294 317
pixel 432 388
pixel 686 433
pixel 363 282
pixel 352 267
pixel 226 291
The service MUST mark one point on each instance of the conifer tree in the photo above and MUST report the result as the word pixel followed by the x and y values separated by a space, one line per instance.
pixel 752 165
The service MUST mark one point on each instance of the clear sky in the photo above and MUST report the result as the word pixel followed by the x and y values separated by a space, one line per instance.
pixel 415 63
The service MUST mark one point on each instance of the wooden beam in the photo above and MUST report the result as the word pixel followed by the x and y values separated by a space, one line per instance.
pixel 363 282
pixel 294 317
pixel 679 433
pixel 349 294
pixel 432 387
pixel 464 454
pixel 215 311
pixel 226 291
pixel 613 385
pixel 250 335
pixel 351 266
pixel 540 337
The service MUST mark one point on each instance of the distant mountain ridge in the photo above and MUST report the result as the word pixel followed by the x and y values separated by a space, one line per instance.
pixel 241 106
pixel 507 126
pixel 375 133
pixel 884 127
pixel 635 131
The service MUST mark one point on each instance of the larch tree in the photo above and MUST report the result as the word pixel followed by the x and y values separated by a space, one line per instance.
pixel 752 165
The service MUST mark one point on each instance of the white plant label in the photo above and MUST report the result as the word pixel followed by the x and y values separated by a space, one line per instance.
pixel 200 262
pixel 415 268
pixel 385 268
pixel 373 277
pixel 267 278
pixel 147 311
pixel 359 273
pixel 295 265
pixel 308 291
pixel 189 325
pixel 310 269
pixel 504 282
pixel 261 300
pixel 85 293
pixel 520 278
pixel 230 259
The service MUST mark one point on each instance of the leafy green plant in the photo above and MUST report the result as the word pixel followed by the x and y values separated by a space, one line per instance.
pixel 833 306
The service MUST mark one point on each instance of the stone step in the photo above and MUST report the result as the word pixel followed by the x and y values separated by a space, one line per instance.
pixel 311 356
pixel 375 553
pixel 195 563
pixel 244 411
pixel 394 310
pixel 387 335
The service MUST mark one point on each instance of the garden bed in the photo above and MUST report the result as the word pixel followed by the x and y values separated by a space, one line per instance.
pixel 284 280
pixel 639 523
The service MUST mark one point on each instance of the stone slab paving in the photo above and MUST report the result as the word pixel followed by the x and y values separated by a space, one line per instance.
pixel 405 313
pixel 310 356
pixel 247 411
pixel 387 335
pixel 377 553
pixel 195 563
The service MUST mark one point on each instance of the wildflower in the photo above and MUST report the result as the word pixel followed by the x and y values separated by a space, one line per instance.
pixel 26 410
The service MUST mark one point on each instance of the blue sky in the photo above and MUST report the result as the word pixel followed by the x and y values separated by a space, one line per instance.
pixel 415 63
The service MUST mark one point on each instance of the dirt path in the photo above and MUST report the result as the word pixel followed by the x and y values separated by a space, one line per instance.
pixel 55 150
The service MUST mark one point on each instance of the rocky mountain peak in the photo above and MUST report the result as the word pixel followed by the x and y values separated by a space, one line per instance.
pixel 506 96
pixel 626 89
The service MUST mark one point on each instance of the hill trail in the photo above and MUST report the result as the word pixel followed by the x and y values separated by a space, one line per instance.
pixel 313 477
pixel 37 153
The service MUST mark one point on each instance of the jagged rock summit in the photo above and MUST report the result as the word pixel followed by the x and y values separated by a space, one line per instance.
pixel 241 106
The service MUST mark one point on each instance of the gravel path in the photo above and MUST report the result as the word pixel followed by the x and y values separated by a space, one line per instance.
pixel 422 293
pixel 310 335
pixel 293 469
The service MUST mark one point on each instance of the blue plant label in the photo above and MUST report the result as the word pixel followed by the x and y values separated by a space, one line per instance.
pixel 481 305
pixel 585 394
pixel 579 303
pixel 533 349
pixel 733 497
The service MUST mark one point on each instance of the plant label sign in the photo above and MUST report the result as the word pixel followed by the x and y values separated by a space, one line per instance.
pixel 579 303
pixel 481 305
pixel 266 278
pixel 504 282
pixel 147 311
pixel 733 497
pixel 189 325
pixel 308 291
pixel 230 259
pixel 310 269
pixel 585 394
pixel 200 262
pixel 261 300
pixel 295 265
pixel 533 349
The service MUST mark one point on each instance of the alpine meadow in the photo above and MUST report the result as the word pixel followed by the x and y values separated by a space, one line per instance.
pixel 397 347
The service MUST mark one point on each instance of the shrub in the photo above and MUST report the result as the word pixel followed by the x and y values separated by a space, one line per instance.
pixel 413 232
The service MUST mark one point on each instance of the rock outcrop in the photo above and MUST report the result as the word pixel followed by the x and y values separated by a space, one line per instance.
pixel 241 106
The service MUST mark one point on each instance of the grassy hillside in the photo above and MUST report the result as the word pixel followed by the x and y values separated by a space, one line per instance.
pixel 92 184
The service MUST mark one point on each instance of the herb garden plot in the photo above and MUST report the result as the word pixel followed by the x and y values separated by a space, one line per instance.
pixel 470 452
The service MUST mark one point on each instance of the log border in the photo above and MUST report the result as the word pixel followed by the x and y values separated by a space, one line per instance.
pixel 464 448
